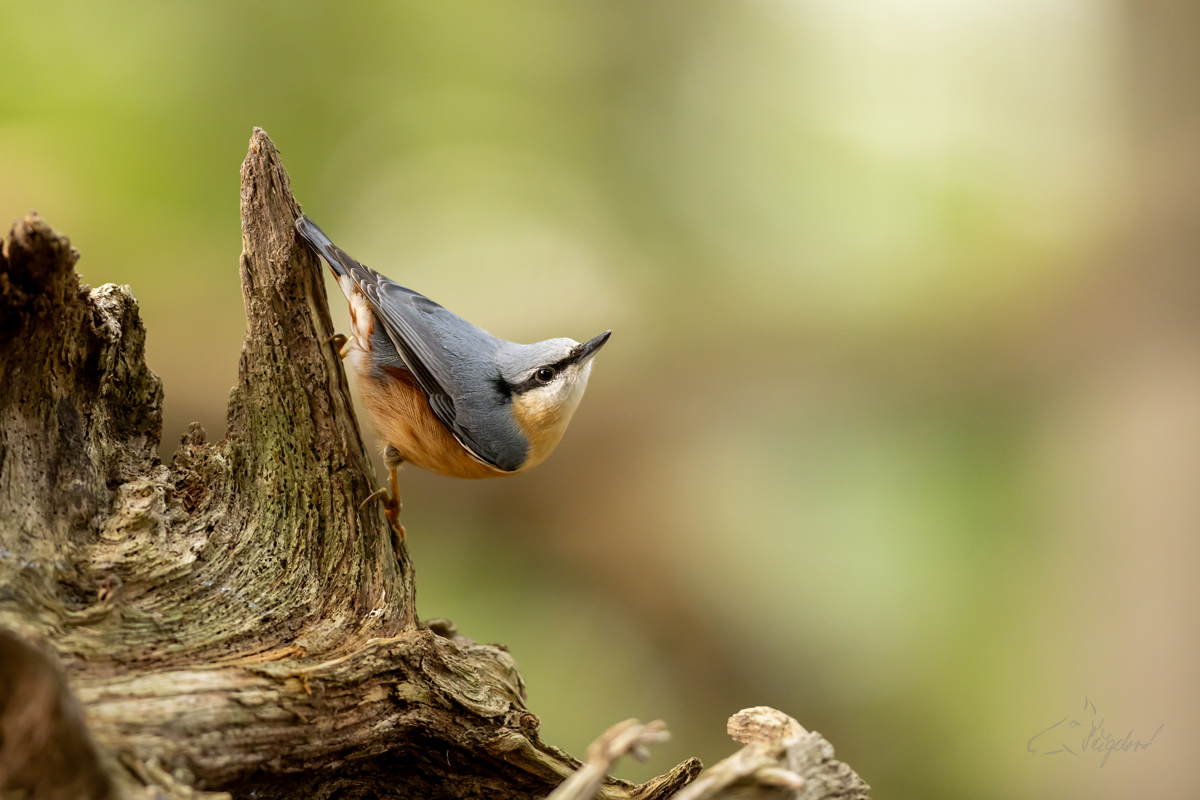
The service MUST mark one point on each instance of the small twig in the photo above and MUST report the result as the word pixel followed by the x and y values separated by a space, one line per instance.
pixel 625 738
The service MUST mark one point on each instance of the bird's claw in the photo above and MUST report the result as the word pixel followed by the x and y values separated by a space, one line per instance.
pixel 393 517
pixel 375 495
pixel 338 340
pixel 391 508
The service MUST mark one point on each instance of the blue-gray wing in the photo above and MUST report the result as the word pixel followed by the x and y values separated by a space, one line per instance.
pixel 452 360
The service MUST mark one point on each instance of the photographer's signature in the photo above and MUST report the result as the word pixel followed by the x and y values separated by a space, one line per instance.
pixel 1061 737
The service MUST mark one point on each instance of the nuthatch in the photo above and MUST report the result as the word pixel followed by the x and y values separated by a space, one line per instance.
pixel 444 394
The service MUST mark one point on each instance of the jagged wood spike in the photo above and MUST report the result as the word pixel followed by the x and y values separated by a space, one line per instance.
pixel 232 622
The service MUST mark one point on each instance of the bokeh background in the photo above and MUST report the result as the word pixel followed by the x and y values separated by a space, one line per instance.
pixel 899 428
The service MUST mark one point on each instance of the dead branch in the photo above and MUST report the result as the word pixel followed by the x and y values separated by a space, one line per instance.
pixel 231 622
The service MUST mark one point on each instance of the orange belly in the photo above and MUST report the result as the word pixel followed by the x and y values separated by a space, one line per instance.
pixel 401 413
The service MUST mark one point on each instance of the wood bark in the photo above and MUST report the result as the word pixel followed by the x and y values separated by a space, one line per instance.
pixel 232 622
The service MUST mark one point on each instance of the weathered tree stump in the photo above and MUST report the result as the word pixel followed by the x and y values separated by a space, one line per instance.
pixel 232 622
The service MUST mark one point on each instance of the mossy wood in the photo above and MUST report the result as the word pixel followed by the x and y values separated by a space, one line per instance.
pixel 233 621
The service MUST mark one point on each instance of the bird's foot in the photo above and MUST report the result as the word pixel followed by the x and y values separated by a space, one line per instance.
pixel 391 505
pixel 339 340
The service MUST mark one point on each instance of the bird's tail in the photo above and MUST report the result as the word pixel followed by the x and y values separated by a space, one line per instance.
pixel 337 258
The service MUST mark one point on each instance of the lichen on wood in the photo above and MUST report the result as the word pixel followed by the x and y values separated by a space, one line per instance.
pixel 230 623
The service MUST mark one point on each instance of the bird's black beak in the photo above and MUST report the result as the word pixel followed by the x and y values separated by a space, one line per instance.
pixel 589 348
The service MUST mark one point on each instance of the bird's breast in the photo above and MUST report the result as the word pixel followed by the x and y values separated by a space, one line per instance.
pixel 402 416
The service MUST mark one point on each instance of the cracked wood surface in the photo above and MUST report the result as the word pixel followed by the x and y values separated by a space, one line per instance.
pixel 231 623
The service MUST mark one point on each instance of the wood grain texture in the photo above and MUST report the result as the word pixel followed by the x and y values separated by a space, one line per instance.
pixel 231 623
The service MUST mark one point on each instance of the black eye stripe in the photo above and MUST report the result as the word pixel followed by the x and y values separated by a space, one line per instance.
pixel 562 363
pixel 504 391
pixel 532 382
pixel 558 366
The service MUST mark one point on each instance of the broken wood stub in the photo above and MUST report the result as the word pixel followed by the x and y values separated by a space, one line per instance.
pixel 231 622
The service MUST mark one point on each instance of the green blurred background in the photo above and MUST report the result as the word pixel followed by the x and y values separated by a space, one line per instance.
pixel 899 428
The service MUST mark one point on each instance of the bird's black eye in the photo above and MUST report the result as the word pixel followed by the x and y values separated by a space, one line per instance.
pixel 544 375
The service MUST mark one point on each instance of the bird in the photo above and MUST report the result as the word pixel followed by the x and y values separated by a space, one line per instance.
pixel 444 394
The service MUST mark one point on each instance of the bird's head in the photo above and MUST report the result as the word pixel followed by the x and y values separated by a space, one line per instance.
pixel 545 382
